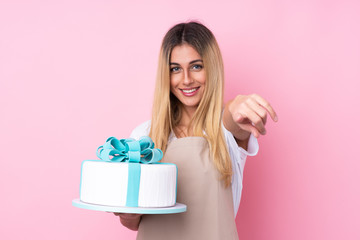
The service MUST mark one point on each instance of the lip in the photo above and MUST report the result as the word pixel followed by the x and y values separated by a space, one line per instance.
pixel 189 91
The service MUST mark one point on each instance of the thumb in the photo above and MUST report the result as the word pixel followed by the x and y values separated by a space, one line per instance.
pixel 238 117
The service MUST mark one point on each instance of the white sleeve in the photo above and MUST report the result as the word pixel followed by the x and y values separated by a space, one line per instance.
pixel 141 130
pixel 238 158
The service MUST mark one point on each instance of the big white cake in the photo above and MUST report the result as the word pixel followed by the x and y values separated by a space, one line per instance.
pixel 106 183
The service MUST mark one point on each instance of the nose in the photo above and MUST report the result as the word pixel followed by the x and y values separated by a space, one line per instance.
pixel 187 78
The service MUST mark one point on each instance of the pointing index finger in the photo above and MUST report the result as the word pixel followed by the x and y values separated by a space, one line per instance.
pixel 265 104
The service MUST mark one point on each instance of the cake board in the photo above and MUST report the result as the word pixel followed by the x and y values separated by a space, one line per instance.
pixel 178 208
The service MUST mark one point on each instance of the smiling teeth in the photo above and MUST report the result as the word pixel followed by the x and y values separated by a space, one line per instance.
pixel 189 91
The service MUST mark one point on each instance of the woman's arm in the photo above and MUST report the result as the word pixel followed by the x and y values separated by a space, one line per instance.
pixel 247 114
pixel 131 221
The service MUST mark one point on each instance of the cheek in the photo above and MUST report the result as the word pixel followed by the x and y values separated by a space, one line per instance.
pixel 203 79
pixel 174 81
pixel 172 84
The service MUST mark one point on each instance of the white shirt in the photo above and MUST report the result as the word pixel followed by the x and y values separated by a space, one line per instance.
pixel 237 154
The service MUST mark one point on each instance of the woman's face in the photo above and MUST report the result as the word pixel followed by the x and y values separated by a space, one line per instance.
pixel 187 76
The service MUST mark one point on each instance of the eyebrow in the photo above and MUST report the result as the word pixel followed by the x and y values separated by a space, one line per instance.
pixel 194 61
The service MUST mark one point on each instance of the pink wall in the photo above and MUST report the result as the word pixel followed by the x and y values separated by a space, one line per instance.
pixel 73 73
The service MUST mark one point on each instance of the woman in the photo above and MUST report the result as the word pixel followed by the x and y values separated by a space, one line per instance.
pixel 208 143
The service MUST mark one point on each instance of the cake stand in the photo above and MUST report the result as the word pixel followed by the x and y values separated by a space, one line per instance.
pixel 178 208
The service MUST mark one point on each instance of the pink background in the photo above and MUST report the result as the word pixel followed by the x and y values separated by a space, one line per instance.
pixel 73 73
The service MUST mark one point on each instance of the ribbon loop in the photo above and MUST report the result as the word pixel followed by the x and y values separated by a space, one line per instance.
pixel 129 150
pixel 133 146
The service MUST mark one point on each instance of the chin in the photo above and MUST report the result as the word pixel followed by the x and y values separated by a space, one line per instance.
pixel 191 105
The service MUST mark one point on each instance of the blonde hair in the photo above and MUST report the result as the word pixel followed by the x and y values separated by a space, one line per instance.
pixel 206 121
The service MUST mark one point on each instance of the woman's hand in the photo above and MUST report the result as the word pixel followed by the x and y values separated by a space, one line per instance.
pixel 247 114
pixel 129 220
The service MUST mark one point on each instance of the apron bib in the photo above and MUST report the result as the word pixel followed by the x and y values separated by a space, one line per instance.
pixel 209 214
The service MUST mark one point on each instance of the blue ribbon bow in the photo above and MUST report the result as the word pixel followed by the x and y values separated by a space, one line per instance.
pixel 129 150
pixel 133 152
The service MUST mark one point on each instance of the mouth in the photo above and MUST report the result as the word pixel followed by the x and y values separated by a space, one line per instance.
pixel 189 91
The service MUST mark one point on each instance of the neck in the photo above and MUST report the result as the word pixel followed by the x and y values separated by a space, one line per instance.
pixel 183 129
pixel 186 115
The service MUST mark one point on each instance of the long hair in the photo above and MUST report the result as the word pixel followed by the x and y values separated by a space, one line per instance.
pixel 206 122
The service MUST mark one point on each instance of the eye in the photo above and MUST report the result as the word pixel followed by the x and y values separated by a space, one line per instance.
pixel 197 67
pixel 174 69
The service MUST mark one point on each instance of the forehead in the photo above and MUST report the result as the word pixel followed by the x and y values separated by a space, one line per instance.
pixel 184 53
